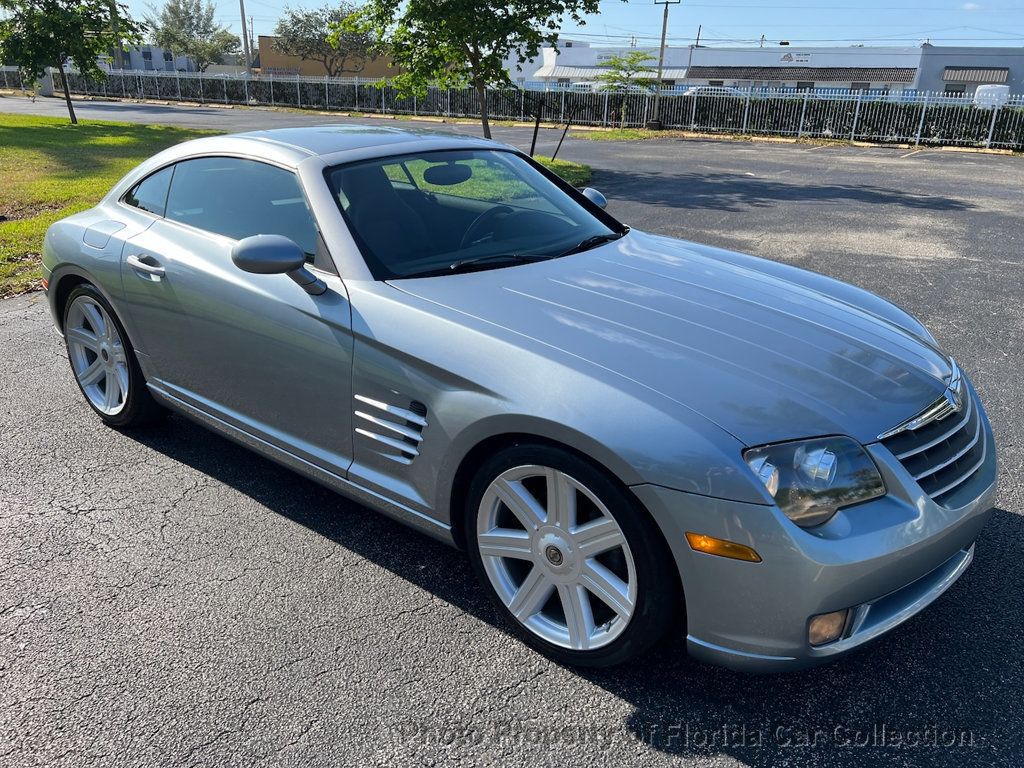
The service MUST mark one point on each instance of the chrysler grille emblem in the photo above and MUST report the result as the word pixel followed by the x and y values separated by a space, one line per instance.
pixel 954 400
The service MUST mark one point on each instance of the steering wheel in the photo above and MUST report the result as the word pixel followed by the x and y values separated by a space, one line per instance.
pixel 481 221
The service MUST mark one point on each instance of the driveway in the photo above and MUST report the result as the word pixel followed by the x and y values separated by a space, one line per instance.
pixel 168 598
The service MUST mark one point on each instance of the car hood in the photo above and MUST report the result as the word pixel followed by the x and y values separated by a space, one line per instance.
pixel 765 358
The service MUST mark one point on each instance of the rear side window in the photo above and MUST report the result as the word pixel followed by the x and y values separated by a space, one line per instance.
pixel 241 198
pixel 238 198
pixel 150 194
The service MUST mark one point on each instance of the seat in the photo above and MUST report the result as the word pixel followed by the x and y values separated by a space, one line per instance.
pixel 391 229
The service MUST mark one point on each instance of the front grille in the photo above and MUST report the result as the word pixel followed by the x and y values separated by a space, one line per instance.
pixel 943 454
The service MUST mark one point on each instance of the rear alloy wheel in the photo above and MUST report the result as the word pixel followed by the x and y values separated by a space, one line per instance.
pixel 572 560
pixel 103 361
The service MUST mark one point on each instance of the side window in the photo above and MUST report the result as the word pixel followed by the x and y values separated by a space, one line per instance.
pixel 239 198
pixel 150 194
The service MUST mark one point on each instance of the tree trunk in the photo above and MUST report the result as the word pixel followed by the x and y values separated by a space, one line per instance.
pixel 481 91
pixel 67 93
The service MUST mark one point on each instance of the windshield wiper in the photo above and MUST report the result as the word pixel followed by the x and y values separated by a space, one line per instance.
pixel 516 258
pixel 592 242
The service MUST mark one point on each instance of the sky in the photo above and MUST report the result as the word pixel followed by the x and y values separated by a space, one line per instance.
pixel 742 22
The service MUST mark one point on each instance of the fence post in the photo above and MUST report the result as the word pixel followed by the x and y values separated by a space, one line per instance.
pixel 202 97
pixel 693 113
pixel 414 113
pixel 604 120
pixel 124 88
pixel 5 78
pixel 647 108
pixel 561 116
pixel 856 115
pixel 177 82
pixel 298 93
pixel 522 106
pixel 803 114
pixel 746 113
pixel 245 89
pixel 992 126
pixel 272 90
pixel 920 123
pixel 356 109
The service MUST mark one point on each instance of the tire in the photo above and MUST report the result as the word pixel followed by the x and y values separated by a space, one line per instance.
pixel 522 548
pixel 103 361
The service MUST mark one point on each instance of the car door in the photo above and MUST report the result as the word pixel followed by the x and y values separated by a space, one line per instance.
pixel 255 351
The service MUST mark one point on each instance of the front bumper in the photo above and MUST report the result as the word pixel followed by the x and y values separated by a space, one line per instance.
pixel 885 559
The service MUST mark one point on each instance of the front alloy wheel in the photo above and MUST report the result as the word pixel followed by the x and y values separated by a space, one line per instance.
pixel 576 564
pixel 556 557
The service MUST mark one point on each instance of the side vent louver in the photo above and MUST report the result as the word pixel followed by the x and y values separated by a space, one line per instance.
pixel 396 431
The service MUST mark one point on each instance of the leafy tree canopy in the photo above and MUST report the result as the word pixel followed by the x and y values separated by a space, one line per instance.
pixel 36 34
pixel 304 33
pixel 187 27
pixel 628 72
pixel 459 42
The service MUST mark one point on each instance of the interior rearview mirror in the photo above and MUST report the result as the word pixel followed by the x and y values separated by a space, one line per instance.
pixel 276 255
pixel 595 197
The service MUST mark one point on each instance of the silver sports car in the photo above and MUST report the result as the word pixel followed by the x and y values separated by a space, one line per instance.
pixel 621 429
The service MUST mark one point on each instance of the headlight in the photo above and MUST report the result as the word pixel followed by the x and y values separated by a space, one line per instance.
pixel 811 479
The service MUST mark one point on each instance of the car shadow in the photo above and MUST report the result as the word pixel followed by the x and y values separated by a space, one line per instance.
pixel 737 192
pixel 942 689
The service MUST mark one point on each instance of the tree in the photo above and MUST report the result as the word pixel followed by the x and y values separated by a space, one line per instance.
pixel 303 33
pixel 627 73
pixel 187 26
pixel 460 42
pixel 37 34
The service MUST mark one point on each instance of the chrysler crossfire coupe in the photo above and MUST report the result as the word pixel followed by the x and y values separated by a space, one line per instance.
pixel 629 434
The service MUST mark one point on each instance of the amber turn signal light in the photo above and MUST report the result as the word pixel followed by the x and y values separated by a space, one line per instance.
pixel 712 546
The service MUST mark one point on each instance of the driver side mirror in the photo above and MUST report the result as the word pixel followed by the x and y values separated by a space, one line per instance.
pixel 595 197
pixel 276 255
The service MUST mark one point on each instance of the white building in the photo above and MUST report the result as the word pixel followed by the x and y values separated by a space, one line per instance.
pixel 576 62
pixel 850 68
pixel 857 68
pixel 149 57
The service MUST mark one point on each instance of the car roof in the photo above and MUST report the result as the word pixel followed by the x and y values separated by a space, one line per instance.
pixel 330 139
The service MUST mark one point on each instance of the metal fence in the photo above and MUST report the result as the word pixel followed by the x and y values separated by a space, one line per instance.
pixel 876 116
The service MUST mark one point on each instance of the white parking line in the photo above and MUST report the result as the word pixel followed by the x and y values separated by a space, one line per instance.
pixel 911 154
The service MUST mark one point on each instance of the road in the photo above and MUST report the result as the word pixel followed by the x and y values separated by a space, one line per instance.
pixel 168 598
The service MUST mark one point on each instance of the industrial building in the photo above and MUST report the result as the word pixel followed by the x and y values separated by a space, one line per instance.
pixel 952 70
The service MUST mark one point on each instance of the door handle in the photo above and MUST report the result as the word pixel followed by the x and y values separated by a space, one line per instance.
pixel 136 262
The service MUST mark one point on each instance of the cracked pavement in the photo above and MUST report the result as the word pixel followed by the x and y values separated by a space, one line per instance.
pixel 168 598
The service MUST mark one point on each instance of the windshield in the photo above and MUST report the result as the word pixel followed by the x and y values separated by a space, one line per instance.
pixel 437 213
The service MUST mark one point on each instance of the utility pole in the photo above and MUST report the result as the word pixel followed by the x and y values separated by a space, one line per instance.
pixel 689 58
pixel 246 50
pixel 654 123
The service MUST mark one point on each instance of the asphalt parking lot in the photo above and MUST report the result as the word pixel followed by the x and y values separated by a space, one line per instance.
pixel 168 598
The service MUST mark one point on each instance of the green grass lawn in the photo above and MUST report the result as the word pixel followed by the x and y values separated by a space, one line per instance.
pixel 50 169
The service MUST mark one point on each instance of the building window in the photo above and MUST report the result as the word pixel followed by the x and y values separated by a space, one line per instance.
pixel 859 87
pixel 147 55
pixel 668 83
pixel 803 85
pixel 956 90
pixel 168 56
pixel 564 81
pixel 568 43
pixel 716 83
